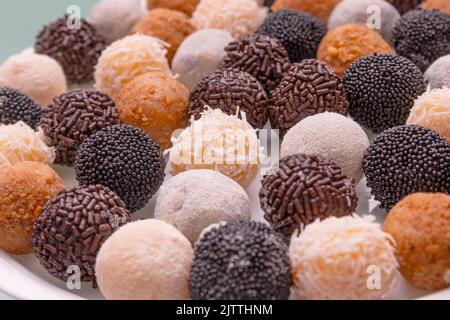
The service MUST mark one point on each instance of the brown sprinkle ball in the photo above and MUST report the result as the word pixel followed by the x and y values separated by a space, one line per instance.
pixel 305 188
pixel 73 117
pixel 72 228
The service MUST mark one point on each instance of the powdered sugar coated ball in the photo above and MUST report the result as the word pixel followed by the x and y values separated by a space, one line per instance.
pixel 438 74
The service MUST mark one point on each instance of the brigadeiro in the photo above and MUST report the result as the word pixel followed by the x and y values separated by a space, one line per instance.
pixel 381 90
pixel 16 106
pixel 231 90
pixel 423 36
pixel 303 189
pixel 404 160
pixel 263 57
pixel 405 5
pixel 240 261
pixel 72 228
pixel 124 159
pixel 74 116
pixel 299 32
pixel 308 88
pixel 77 49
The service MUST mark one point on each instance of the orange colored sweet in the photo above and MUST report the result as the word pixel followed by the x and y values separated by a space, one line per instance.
pixel 186 6
pixel 442 5
pixel 345 44
pixel 420 225
pixel 155 103
pixel 320 8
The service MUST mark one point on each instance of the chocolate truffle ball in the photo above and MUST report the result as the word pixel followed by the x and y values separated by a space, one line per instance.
pixel 319 8
pixel 405 160
pixel 299 32
pixel 73 117
pixel 263 57
pixel 381 90
pixel 72 228
pixel 76 49
pixel 308 88
pixel 303 189
pixel 230 90
pixel 405 5
pixel 15 107
pixel 124 159
pixel 423 36
pixel 240 261
pixel 438 74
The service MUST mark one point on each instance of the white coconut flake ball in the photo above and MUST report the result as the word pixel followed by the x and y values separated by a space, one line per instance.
pixel 438 74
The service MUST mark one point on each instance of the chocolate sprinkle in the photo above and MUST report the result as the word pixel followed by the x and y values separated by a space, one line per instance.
pixel 303 189
pixel 77 49
pixel 72 228
pixel 405 5
pixel 230 90
pixel 240 261
pixel 308 88
pixel 405 160
pixel 16 106
pixel 73 117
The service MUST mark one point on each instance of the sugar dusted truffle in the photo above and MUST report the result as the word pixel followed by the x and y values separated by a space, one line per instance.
pixel 438 74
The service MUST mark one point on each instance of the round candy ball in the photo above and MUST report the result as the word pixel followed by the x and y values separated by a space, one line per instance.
pixel 145 260
pixel 381 90
pixel 231 90
pixel 26 188
pixel 331 136
pixel 186 6
pixel 238 17
pixel 441 5
pixel 77 49
pixel 240 261
pixel 345 44
pixel 423 36
pixel 155 103
pixel 128 58
pixel 308 88
pixel 124 159
pixel 285 25
pixel 334 259
pixel 73 117
pixel 319 8
pixel 16 106
pixel 438 74
pixel 38 76
pixel 170 26
pixel 420 225
pixel 405 5
pixel 181 201
pixel 404 160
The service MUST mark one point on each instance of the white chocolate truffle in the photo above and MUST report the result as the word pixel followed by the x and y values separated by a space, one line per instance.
pixel 145 260
pixel 438 74
pixel 343 259
pixel 195 199
pixel 38 76
pixel 331 136
pixel 239 17
pixel 199 55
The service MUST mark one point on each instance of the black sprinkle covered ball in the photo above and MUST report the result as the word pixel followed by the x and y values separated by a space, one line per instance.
pixel 405 160
pixel 423 36
pixel 381 90
pixel 405 5
pixel 299 32
pixel 16 106
pixel 73 117
pixel 240 261
pixel 124 159
pixel 72 228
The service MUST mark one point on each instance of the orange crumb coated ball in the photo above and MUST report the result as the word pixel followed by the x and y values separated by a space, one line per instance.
pixel 442 5
pixel 320 8
pixel 345 44
pixel 26 187
pixel 155 103
pixel 420 225
pixel 170 26
pixel 186 6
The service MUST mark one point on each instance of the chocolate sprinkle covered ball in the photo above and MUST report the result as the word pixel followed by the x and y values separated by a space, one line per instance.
pixel 72 228
pixel 76 49
pixel 15 107
pixel 263 57
pixel 308 88
pixel 124 159
pixel 381 90
pixel 423 36
pixel 240 261
pixel 230 90
pixel 303 189
pixel 405 160
pixel 73 117
pixel 299 32
pixel 405 5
